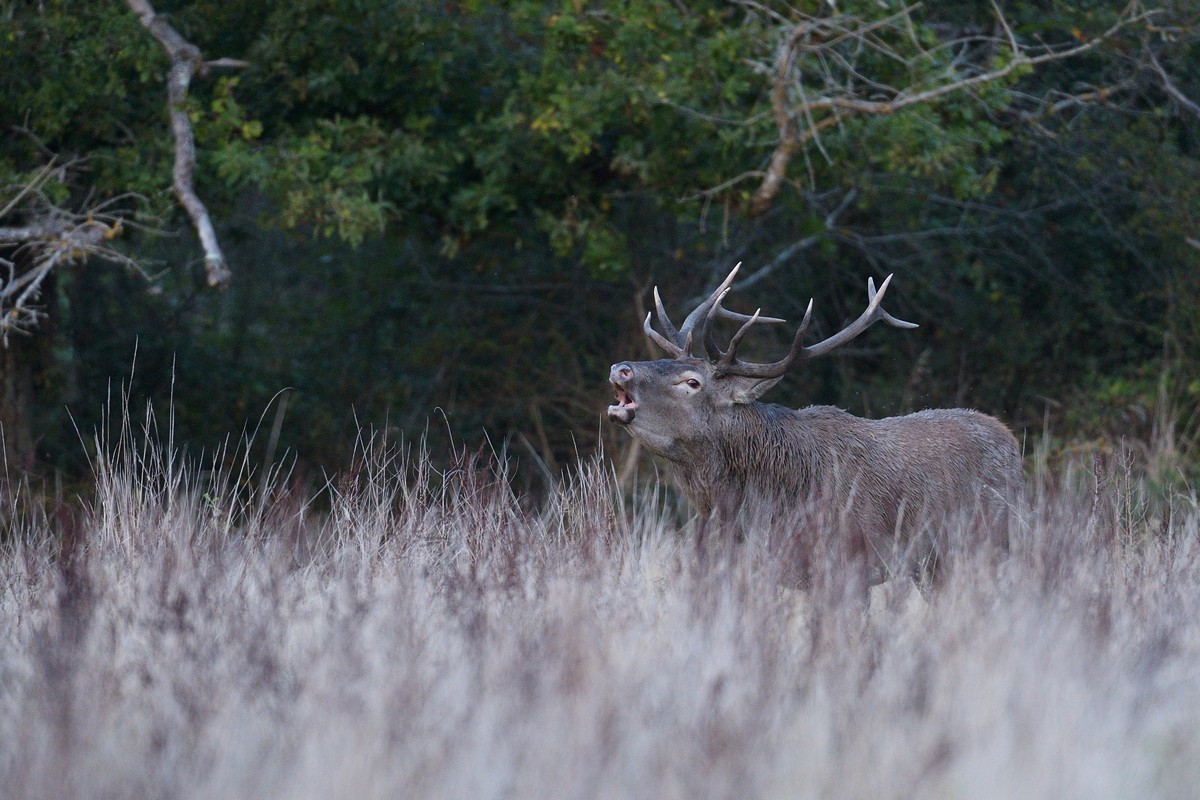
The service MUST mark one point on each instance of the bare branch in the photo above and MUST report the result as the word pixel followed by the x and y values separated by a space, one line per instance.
pixel 38 236
pixel 1012 39
pixel 788 142
pixel 32 186
pixel 791 250
pixel 713 191
pixel 53 239
pixel 228 63
pixel 857 95
pixel 1094 96
pixel 1170 88
pixel 186 61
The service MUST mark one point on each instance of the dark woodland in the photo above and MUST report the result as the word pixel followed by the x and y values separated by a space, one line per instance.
pixel 445 219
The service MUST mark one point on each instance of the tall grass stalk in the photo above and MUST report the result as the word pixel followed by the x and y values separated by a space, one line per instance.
pixel 181 635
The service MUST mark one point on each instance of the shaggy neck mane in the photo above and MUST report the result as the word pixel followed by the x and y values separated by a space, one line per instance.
pixel 750 448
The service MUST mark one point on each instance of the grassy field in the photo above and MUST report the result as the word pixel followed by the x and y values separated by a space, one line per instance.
pixel 429 634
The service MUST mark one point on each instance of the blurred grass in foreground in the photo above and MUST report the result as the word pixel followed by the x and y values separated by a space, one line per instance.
pixel 430 633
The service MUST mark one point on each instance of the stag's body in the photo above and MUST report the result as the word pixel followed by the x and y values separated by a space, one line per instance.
pixel 880 478
pixel 880 481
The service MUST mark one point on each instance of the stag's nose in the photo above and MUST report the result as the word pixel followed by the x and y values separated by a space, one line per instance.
pixel 620 372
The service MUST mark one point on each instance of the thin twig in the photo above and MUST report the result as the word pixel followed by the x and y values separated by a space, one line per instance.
pixel 1170 88
pixel 785 255
pixel 26 189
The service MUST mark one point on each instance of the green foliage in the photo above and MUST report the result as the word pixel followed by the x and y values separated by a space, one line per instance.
pixel 432 204
pixel 73 73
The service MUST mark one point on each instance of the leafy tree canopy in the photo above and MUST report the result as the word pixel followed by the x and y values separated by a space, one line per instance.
pixel 1029 173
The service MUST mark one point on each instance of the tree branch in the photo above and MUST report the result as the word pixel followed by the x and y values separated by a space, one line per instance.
pixel 186 61
pixel 777 167
pixel 838 100
pixel 785 255
pixel 47 236
pixel 53 239
pixel 1034 118
pixel 1170 88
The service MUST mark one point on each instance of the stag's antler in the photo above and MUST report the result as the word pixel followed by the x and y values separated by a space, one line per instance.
pixel 727 363
pixel 678 343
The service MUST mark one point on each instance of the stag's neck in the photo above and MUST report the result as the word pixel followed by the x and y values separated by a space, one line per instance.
pixel 758 447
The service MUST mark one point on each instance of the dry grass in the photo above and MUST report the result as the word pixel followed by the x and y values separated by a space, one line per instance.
pixel 429 636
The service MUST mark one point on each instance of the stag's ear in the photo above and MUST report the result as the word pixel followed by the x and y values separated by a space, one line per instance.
pixel 741 390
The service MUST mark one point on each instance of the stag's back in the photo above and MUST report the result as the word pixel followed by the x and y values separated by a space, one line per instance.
pixel 890 477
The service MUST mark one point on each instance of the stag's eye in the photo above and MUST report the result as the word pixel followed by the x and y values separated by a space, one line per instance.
pixel 693 383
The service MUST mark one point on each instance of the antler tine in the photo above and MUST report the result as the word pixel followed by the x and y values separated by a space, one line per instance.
pixel 672 349
pixel 734 316
pixel 774 369
pixel 730 355
pixel 663 320
pixel 676 345
pixel 678 341
pixel 874 298
pixel 700 312
pixel 719 311
pixel 873 313
pixel 710 342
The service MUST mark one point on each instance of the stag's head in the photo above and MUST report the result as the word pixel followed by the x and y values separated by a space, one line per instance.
pixel 670 403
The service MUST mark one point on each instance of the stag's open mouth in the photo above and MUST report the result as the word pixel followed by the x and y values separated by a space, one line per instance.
pixel 623 410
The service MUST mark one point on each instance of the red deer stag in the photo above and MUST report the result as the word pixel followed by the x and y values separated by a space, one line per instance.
pixel 888 477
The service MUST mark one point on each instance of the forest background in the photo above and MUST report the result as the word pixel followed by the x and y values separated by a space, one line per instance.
pixel 449 216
